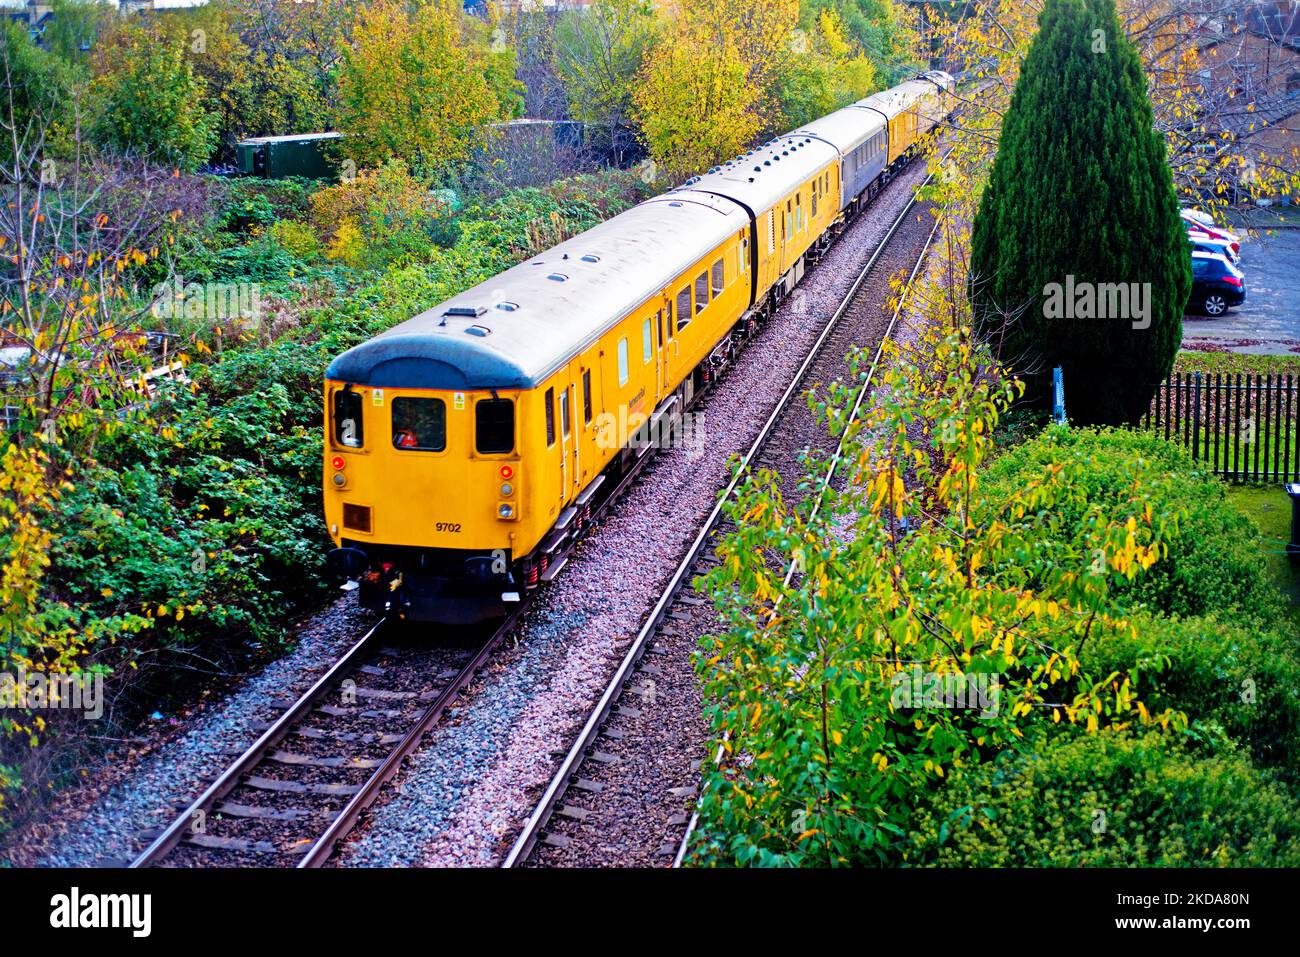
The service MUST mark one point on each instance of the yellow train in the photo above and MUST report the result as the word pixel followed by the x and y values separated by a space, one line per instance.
pixel 466 448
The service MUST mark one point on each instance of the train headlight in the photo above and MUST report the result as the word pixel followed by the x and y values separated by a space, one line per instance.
pixel 505 510
pixel 507 490
pixel 340 480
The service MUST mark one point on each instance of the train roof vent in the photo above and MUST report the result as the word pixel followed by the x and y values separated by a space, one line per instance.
pixel 478 330
pixel 558 277
pixel 470 312
pixel 507 306
pixel 589 258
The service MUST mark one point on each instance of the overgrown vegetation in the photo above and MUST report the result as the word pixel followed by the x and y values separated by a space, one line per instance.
pixel 1098 581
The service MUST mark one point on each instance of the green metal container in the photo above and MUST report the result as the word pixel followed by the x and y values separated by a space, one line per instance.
pixel 272 157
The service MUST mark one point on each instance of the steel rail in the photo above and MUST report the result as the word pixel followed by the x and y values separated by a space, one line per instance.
pixel 542 812
pixel 229 779
pixel 347 818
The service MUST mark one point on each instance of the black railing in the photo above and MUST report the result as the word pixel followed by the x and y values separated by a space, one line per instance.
pixel 1242 426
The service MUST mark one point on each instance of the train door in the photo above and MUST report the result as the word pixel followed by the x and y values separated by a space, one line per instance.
pixel 585 405
pixel 566 401
pixel 661 355
pixel 671 347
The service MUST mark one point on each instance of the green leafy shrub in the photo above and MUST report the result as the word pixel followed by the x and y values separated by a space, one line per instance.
pixel 1113 799
pixel 1242 679
pixel 1212 565
pixel 383 216
pixel 298 238
pixel 249 203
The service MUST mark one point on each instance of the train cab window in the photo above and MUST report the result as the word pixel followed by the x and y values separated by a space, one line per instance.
pixel 683 307
pixel 718 278
pixel 701 292
pixel 494 426
pixel 550 417
pixel 419 424
pixel 622 361
pixel 564 413
pixel 347 419
pixel 586 396
pixel 647 342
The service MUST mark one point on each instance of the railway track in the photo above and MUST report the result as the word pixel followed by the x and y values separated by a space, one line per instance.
pixel 676 602
pixel 305 782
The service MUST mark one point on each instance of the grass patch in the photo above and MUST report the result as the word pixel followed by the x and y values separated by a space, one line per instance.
pixel 1269 507
pixel 1231 363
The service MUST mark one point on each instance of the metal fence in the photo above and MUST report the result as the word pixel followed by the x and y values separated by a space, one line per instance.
pixel 1242 426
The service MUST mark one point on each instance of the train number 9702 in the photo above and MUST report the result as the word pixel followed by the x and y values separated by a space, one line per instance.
pixel 453 527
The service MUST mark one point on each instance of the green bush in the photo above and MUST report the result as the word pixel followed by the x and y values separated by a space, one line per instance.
pixel 249 203
pixel 1111 799
pixel 297 238
pixel 1213 565
pixel 1241 679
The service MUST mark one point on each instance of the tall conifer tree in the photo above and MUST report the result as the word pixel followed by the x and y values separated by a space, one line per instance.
pixel 1081 187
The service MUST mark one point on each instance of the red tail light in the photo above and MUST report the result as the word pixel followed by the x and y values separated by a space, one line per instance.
pixel 387 567
pixel 338 462
pixel 1232 281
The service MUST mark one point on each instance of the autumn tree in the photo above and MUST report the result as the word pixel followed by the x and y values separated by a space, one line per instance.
pixel 75 27
pixel 38 93
pixel 761 32
pixel 219 57
pixel 827 71
pixel 885 31
pixel 694 103
pixel 296 53
pixel 1081 197
pixel 419 85
pixel 147 101
pixel 599 53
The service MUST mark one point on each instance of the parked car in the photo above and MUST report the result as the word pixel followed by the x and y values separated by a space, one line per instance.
pixel 1198 223
pixel 1204 243
pixel 1197 216
pixel 1217 285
